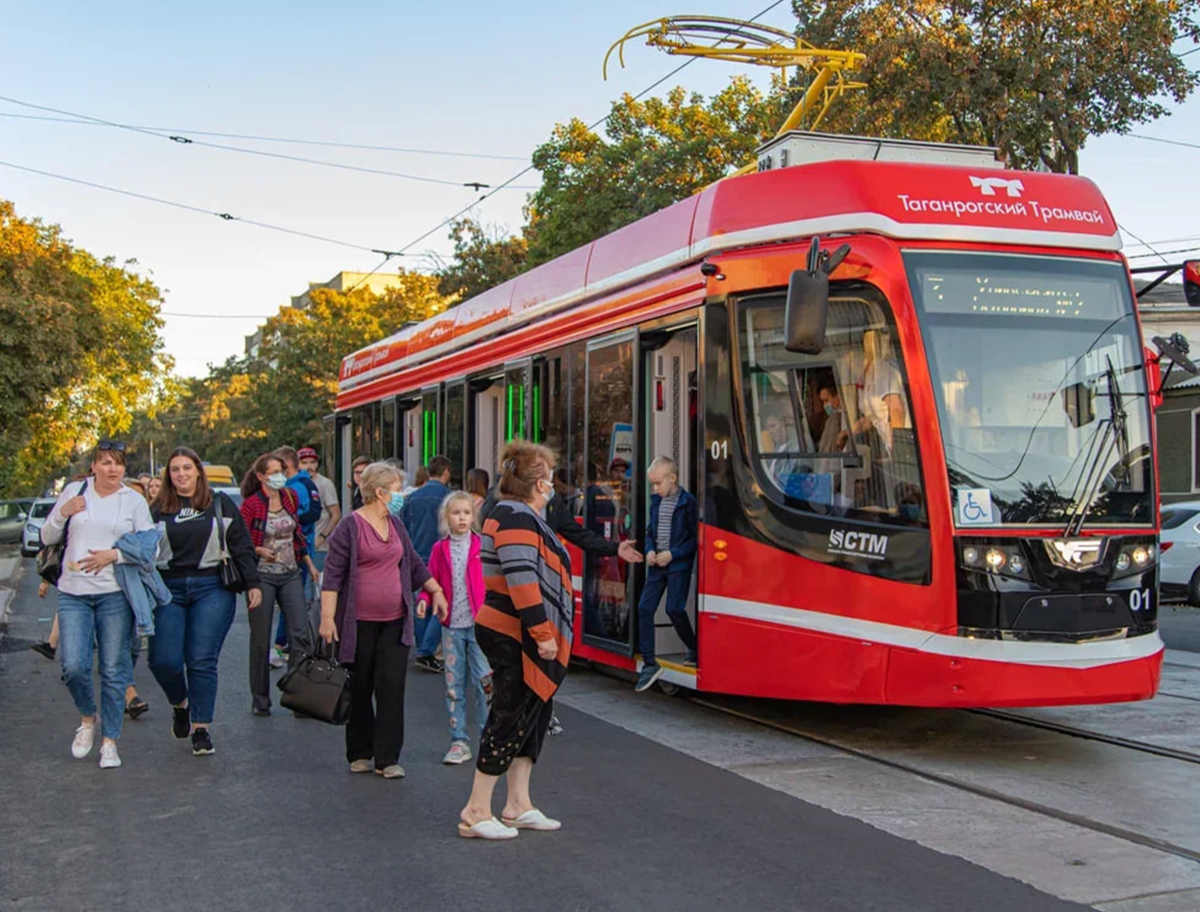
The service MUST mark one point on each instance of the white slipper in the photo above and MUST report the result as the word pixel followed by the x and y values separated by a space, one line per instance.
pixel 533 820
pixel 487 829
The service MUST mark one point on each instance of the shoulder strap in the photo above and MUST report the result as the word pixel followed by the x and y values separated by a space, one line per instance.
pixel 220 524
pixel 67 525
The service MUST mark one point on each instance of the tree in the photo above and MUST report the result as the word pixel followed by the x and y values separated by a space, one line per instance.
pixel 483 258
pixel 1035 78
pixel 659 151
pixel 80 350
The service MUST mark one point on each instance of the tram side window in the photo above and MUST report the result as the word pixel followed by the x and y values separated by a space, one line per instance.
pixel 832 433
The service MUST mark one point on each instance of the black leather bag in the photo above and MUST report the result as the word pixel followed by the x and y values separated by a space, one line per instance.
pixel 318 687
pixel 231 576
pixel 49 558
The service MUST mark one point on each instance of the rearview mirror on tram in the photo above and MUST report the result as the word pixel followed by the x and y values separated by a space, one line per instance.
pixel 1191 282
pixel 808 300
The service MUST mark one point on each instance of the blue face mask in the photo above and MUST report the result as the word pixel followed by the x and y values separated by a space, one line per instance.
pixel 830 410
pixel 395 503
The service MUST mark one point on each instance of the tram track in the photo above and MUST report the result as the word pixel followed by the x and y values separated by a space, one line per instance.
pixel 1088 735
pixel 982 791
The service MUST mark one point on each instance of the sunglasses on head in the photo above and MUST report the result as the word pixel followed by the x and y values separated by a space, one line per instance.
pixel 111 445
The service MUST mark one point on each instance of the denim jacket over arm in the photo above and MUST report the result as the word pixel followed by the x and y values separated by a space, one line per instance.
pixel 139 578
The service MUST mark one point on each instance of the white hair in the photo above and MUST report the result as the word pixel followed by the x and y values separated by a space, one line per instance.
pixel 665 464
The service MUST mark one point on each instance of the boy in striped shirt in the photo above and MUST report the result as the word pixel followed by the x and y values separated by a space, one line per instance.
pixel 670 552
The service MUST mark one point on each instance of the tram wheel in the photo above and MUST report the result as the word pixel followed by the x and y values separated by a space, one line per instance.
pixel 671 690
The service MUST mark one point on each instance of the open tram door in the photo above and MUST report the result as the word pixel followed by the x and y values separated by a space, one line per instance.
pixel 670 427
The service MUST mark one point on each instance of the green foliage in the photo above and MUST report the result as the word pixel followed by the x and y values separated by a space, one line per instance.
pixel 80 350
pixel 658 151
pixel 483 258
pixel 1036 78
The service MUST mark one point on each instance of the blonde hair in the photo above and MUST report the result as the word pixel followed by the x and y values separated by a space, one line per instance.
pixel 376 475
pixel 525 464
pixel 444 511
pixel 665 464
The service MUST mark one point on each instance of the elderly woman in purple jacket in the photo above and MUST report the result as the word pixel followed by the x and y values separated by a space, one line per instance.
pixel 371 575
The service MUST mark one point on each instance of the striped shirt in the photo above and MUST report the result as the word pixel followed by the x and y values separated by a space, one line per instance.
pixel 529 597
pixel 666 511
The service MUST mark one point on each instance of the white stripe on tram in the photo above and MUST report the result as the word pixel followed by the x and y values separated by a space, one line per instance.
pixel 1059 655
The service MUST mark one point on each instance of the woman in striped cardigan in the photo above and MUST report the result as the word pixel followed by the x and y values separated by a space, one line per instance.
pixel 524 629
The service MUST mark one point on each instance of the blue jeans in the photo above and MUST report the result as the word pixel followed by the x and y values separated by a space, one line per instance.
pixel 105 620
pixel 189 634
pixel 678 585
pixel 466 666
pixel 427 631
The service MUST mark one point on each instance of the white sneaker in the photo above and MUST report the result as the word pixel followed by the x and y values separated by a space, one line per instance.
pixel 460 752
pixel 109 758
pixel 275 659
pixel 85 737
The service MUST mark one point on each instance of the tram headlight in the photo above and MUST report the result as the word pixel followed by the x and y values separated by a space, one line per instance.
pixel 1135 557
pixel 994 556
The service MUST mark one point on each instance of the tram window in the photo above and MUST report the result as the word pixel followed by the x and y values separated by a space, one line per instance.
pixel 832 433
pixel 571 484
pixel 455 432
pixel 388 424
pixel 516 408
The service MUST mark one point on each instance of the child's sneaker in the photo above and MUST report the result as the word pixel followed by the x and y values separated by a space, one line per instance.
pixel 277 659
pixel 649 674
pixel 460 752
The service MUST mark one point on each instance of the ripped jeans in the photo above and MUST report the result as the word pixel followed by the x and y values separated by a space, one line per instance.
pixel 466 666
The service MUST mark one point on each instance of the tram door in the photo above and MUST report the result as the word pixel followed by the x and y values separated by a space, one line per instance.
pixel 487 413
pixel 670 427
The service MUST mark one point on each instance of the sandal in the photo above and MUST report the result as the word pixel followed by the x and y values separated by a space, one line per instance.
pixel 486 829
pixel 136 707
pixel 532 820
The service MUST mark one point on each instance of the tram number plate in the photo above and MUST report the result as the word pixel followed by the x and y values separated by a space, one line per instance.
pixel 1140 600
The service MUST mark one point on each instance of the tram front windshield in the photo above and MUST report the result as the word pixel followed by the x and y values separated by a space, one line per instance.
pixel 1028 356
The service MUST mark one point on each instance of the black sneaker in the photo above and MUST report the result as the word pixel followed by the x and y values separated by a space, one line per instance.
pixel 181 722
pixel 690 658
pixel 202 742
pixel 258 711
pixel 45 649
pixel 555 727
pixel 649 674
pixel 429 663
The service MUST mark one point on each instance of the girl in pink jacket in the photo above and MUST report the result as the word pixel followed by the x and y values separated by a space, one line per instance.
pixel 455 564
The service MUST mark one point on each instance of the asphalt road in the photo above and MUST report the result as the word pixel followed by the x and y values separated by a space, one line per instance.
pixel 273 821
pixel 1179 626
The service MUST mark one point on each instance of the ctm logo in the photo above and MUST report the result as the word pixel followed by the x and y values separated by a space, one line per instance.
pixel 859 544
pixel 989 185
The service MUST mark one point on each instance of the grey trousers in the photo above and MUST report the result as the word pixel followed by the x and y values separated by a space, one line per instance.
pixel 288 593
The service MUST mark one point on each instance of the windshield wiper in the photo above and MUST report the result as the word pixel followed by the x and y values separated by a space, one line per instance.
pixel 1117 424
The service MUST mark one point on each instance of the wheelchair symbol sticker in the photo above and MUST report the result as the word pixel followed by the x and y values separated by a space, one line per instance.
pixel 974 507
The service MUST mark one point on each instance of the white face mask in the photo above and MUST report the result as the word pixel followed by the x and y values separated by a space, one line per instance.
pixel 276 481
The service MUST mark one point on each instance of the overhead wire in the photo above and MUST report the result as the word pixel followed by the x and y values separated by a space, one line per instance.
pixel 224 216
pixel 683 66
pixel 1153 252
pixel 181 139
pixel 276 139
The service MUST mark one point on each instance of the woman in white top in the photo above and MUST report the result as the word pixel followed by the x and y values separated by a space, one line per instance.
pixel 92 609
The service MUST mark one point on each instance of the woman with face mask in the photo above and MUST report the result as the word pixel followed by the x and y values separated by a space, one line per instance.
pixel 269 508
pixel 367 608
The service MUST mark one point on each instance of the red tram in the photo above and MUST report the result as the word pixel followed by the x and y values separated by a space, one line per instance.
pixel 948 500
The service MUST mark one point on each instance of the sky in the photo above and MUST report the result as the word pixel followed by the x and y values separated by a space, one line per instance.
pixel 472 77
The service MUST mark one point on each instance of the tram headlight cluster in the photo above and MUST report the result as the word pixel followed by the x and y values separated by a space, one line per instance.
pixel 1134 558
pixel 1002 558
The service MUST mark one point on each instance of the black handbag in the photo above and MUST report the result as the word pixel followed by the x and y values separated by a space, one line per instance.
pixel 318 687
pixel 49 558
pixel 231 576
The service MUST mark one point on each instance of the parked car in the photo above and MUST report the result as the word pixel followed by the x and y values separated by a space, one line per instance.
pixel 234 494
pixel 31 537
pixel 13 514
pixel 219 475
pixel 1179 569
